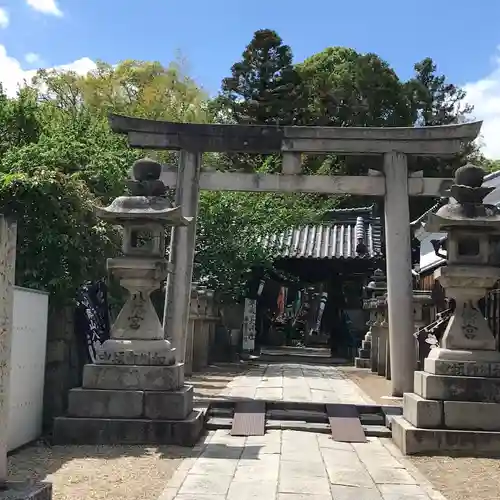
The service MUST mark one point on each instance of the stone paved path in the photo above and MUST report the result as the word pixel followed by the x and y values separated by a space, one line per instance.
pixel 292 465
pixel 296 382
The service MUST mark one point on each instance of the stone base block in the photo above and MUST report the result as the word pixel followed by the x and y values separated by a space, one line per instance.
pixel 175 405
pixel 20 490
pixel 366 344
pixel 420 412
pixel 103 403
pixel 133 377
pixel 157 405
pixel 362 363
pixel 136 352
pixel 413 441
pixel 72 430
pixel 462 368
pixel 448 388
pixel 467 415
pixel 364 353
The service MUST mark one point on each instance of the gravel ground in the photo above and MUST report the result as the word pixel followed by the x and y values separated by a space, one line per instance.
pixel 98 472
pixel 462 478
pixel 112 472
pixel 378 388
pixel 457 478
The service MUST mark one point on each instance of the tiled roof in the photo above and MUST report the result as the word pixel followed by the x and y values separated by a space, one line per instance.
pixel 332 239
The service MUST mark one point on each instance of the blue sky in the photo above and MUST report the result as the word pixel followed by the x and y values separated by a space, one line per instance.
pixel 461 36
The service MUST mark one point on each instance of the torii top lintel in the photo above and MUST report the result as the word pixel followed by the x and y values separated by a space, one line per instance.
pixel 441 140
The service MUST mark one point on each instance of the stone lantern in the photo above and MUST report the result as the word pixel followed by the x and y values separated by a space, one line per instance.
pixel 137 337
pixel 376 304
pixel 135 392
pixel 458 393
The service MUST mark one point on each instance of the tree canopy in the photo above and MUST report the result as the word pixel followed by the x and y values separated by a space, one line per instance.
pixel 58 156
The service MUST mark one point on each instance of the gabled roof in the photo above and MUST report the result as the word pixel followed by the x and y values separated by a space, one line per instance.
pixel 336 237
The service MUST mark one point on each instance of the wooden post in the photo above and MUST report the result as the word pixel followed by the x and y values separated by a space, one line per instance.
pixel 8 235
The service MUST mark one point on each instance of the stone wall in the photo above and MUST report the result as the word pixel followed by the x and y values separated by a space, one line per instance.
pixel 63 369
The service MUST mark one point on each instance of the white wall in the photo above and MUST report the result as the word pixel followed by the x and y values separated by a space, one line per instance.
pixel 29 340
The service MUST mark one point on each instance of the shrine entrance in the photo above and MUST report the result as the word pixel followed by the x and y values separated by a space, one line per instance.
pixel 392 179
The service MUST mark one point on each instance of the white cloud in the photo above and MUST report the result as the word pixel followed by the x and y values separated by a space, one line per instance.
pixel 484 95
pixel 13 75
pixel 4 18
pixel 45 7
pixel 32 58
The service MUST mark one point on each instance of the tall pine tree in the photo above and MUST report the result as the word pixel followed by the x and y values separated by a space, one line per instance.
pixel 263 86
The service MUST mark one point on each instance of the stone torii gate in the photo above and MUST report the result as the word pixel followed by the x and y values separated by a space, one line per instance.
pixel 392 179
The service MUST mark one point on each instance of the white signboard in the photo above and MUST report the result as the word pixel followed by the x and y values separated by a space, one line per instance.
pixel 249 317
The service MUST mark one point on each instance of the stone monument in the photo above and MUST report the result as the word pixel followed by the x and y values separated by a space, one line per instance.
pixel 135 392
pixel 458 393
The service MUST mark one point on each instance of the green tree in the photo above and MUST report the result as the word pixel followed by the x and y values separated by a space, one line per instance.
pixel 435 101
pixel 134 88
pixel 345 88
pixel 262 88
pixel 60 242
pixel 19 120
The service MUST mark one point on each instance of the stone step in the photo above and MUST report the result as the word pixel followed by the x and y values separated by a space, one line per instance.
pixel 215 423
pixel 115 431
pixel 364 353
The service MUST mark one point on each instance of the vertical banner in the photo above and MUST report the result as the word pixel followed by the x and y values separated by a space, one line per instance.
pixel 249 324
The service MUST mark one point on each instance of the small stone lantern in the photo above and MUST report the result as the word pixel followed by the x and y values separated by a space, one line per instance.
pixel 137 337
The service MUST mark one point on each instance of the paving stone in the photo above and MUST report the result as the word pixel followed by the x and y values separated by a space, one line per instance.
pixel 252 489
pixel 326 441
pixel 258 471
pixel 269 393
pixel 373 454
pixel 300 452
pixel 309 469
pixel 198 484
pixel 214 466
pixel 350 476
pixel 354 493
pixel 303 484
pixel 198 496
pixel 386 475
pixel 302 496
pixel 221 451
pixel 334 457
pixel 402 492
